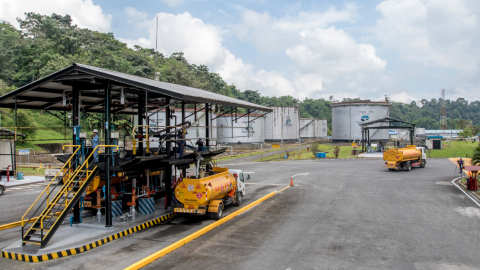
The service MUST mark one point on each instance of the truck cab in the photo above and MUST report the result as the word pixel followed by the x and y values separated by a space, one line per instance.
pixel 240 180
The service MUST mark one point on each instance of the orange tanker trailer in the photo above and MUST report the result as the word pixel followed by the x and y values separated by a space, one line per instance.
pixel 405 158
pixel 208 194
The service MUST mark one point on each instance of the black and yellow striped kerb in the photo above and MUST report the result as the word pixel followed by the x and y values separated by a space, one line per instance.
pixel 78 250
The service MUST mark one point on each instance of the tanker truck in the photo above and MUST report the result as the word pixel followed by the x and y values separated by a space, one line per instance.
pixel 210 193
pixel 405 158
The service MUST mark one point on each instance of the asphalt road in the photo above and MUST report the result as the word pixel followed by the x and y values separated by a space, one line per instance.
pixel 342 214
pixel 345 214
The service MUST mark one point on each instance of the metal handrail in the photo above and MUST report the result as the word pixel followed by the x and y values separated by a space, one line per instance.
pixel 48 186
pixel 46 199
pixel 42 217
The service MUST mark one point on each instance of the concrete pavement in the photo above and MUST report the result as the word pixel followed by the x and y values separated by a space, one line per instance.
pixel 342 214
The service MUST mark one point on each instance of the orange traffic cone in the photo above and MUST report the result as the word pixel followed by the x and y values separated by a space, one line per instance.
pixel 291 182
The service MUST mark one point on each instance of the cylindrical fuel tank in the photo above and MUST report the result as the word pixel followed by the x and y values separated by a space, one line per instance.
pixel 347 117
pixel 402 154
pixel 240 131
pixel 282 123
pixel 201 191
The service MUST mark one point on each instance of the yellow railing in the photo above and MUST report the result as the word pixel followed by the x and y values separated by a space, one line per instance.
pixel 47 188
pixel 67 184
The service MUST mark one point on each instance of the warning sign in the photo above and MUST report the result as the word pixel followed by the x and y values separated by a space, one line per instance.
pixel 198 186
pixel 199 195
pixel 183 185
pixel 190 187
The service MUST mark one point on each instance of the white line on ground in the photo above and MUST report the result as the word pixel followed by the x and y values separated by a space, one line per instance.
pixel 266 184
pixel 248 172
pixel 300 174
pixel 453 182
pixel 238 163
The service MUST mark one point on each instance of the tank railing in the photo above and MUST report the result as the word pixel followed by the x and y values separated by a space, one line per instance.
pixel 47 188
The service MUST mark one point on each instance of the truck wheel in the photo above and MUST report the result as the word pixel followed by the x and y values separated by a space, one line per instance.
pixel 409 166
pixel 238 199
pixel 219 213
pixel 423 163
pixel 1 190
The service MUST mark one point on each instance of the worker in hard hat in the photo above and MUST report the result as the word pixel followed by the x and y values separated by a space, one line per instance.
pixel 95 143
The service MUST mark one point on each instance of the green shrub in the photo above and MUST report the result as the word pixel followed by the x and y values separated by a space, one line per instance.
pixel 314 148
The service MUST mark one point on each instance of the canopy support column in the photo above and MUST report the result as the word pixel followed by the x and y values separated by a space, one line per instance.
pixel 168 172
pixel 184 137
pixel 75 116
pixel 207 124
pixel 108 152
pixel 140 123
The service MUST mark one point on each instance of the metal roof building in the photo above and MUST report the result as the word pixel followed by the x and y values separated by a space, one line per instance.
pixel 82 88
pixel 49 92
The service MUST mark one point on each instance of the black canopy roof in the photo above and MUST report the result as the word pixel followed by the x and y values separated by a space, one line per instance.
pixel 47 93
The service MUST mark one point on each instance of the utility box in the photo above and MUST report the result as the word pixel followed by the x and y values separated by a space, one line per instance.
pixel 83 135
pixel 434 143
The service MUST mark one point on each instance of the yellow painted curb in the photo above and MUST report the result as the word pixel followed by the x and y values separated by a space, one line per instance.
pixel 84 248
pixel 196 234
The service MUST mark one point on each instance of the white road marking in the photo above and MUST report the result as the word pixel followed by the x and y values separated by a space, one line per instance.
pixel 453 182
pixel 238 163
pixel 248 172
pixel 265 184
pixel 300 174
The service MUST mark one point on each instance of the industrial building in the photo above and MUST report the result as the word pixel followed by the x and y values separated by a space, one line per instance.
pixel 313 128
pixel 282 124
pixel 347 117
pixel 447 133
pixel 243 131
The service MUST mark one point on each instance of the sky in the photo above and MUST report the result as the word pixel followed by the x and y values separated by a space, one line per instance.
pixel 406 49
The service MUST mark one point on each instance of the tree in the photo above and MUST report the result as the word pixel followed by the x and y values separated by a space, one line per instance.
pixel 466 133
pixel 476 156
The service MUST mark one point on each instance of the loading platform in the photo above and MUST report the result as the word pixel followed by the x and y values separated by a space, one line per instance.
pixel 85 236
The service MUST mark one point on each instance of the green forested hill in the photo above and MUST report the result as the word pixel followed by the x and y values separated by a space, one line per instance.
pixel 45 44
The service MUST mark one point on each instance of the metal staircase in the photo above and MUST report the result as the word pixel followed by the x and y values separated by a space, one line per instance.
pixel 57 205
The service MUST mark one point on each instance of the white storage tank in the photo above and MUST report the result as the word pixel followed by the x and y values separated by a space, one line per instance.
pixel 197 130
pixel 282 119
pixel 403 136
pixel 347 117
pixel 243 131
pixel 308 128
pixel 420 132
pixel 322 128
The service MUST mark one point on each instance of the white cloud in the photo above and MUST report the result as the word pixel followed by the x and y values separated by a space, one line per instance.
pixel 174 2
pixel 331 52
pixel 83 12
pixel 142 42
pixel 326 60
pixel 269 33
pixel 403 97
pixel 438 33
pixel 134 13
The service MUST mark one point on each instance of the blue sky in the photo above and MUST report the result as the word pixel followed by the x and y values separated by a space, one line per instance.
pixel 406 49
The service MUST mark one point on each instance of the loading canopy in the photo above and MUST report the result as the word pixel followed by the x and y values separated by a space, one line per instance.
pixel 48 92
pixel 392 123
